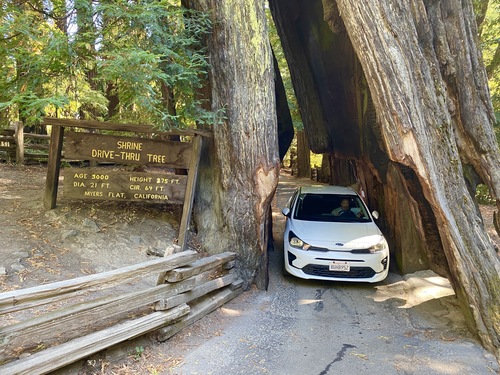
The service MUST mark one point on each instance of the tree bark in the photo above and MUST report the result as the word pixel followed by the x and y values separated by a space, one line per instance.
pixel 429 89
pixel 303 155
pixel 240 170
pixel 292 34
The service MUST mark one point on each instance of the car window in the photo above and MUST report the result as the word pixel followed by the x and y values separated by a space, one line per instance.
pixel 328 207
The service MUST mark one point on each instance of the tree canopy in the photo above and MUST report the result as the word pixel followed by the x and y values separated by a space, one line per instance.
pixel 105 60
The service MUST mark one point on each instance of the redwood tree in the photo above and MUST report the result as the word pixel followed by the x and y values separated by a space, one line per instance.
pixel 240 170
pixel 401 91
pixel 436 118
pixel 303 155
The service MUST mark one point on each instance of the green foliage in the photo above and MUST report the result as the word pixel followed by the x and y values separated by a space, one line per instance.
pixel 31 106
pixel 483 195
pixel 316 159
pixel 139 352
pixel 26 55
pixel 111 60
pixel 488 15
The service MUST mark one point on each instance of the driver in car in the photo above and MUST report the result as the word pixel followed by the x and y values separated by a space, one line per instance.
pixel 344 210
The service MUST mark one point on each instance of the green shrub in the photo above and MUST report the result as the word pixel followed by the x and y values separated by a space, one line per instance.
pixel 483 195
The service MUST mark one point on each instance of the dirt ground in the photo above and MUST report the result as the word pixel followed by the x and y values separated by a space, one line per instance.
pixel 76 239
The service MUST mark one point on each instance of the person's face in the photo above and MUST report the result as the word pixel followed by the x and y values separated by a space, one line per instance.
pixel 344 204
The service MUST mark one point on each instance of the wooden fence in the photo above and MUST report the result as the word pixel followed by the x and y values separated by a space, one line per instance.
pixel 20 147
pixel 111 307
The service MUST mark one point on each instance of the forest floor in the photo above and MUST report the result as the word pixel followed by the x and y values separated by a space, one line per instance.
pixel 76 238
pixel 81 238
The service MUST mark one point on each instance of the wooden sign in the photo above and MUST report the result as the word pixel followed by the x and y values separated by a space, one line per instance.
pixel 103 184
pixel 106 184
pixel 126 150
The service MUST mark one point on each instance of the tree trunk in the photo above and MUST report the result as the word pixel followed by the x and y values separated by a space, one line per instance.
pixel 430 93
pixel 326 171
pixel 303 155
pixel 284 118
pixel 239 173
pixel 399 89
pixel 86 35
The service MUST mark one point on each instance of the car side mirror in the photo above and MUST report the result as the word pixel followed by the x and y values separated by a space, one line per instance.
pixel 286 211
pixel 375 214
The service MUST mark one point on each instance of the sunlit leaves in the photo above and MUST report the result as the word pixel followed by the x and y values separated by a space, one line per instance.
pixel 73 61
pixel 490 45
pixel 33 54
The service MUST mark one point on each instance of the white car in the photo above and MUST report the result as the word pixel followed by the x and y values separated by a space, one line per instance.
pixel 331 235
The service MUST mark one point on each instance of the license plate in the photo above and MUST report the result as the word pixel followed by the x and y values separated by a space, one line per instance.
pixel 340 266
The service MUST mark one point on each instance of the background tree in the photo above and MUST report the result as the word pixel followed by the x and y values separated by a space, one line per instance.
pixel 104 60
pixel 33 54
pixel 303 155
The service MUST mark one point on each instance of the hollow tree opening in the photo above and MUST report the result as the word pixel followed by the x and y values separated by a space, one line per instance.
pixel 400 92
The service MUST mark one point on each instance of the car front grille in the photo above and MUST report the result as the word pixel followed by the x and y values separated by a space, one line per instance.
pixel 325 250
pixel 354 273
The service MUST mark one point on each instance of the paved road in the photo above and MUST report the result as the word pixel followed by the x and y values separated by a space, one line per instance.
pixel 321 328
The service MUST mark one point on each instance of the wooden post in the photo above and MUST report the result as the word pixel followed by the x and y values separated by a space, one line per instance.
pixel 53 166
pixel 190 188
pixel 19 140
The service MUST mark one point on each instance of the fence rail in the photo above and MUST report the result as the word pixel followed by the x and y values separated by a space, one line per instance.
pixel 101 309
pixel 22 148
pixel 7 145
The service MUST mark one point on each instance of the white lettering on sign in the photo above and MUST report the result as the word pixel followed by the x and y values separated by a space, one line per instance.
pixel 154 158
pixel 126 145
pixel 112 194
pixel 130 156
pixel 103 154
pixel 92 193
pixel 151 196
pixel 140 179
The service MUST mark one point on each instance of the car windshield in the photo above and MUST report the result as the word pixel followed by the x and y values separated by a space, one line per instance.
pixel 330 207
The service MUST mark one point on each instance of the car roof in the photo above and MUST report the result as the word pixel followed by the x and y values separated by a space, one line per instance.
pixel 327 189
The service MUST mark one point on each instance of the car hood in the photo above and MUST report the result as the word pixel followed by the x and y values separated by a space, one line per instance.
pixel 338 236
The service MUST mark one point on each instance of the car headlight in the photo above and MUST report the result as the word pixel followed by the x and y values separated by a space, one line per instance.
pixel 296 242
pixel 380 246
